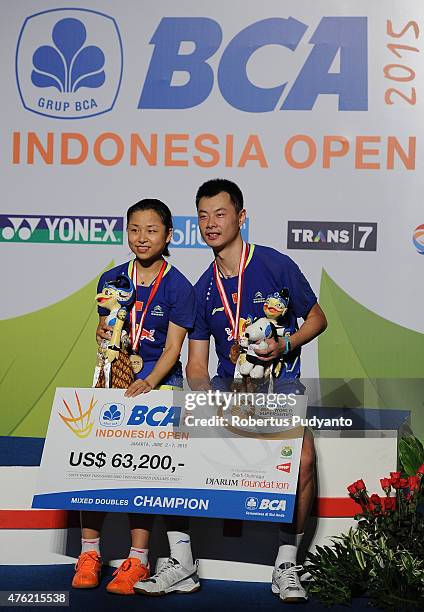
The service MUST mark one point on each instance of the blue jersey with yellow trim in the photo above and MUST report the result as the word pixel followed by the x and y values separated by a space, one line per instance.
pixel 173 302
pixel 267 272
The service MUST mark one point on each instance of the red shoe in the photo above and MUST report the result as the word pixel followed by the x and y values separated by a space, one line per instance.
pixel 87 571
pixel 127 574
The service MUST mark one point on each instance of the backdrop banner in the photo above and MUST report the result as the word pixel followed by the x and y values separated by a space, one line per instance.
pixel 313 108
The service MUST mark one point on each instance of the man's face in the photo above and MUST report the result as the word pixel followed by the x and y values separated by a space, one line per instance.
pixel 219 222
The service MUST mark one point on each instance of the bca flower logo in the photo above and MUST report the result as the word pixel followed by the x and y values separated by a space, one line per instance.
pixel 69 63
pixel 112 415
pixel 251 503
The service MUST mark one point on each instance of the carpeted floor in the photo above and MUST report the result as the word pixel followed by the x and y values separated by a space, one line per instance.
pixel 216 595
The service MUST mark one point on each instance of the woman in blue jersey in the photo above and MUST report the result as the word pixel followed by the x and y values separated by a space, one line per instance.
pixel 157 325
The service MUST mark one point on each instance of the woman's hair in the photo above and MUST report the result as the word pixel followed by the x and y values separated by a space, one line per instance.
pixel 160 208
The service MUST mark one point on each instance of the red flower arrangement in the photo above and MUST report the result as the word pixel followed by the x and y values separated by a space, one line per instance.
pixel 383 555
pixel 406 489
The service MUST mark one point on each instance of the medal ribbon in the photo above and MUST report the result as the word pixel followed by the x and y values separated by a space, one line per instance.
pixel 234 322
pixel 136 335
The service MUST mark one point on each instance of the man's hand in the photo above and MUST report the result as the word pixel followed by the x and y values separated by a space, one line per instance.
pixel 137 387
pixel 273 351
pixel 103 332
pixel 314 324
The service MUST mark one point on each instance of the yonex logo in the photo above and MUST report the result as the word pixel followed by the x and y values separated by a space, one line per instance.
pixel 19 228
pixel 46 229
pixel 69 63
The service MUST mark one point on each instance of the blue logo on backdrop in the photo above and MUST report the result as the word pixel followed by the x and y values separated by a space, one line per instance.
pixel 112 415
pixel 251 503
pixel 186 234
pixel 69 63
pixel 337 64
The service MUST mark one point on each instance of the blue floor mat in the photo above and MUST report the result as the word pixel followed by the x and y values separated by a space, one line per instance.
pixel 216 595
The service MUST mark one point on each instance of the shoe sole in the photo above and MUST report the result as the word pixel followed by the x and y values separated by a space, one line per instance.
pixel 169 592
pixel 111 592
pixel 119 593
pixel 91 586
pixel 276 591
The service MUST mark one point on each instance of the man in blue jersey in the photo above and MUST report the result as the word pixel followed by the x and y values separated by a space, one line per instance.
pixel 234 287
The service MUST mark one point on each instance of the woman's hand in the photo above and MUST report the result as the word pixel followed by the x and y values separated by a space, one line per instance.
pixel 137 387
pixel 103 331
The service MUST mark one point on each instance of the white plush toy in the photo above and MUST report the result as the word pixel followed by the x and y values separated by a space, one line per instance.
pixel 254 338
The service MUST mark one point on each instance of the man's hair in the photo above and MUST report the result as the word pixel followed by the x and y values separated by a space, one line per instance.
pixel 214 186
pixel 160 208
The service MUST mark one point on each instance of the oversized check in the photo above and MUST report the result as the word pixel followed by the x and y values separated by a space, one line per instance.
pixel 154 453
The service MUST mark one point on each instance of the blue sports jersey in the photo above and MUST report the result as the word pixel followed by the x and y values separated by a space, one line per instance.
pixel 267 271
pixel 174 301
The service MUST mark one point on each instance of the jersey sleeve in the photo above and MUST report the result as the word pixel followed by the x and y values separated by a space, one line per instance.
pixel 182 309
pixel 201 329
pixel 302 297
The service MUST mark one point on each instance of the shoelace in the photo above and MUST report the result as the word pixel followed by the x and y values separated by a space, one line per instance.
pixel 291 575
pixel 124 567
pixel 167 568
pixel 168 565
pixel 84 558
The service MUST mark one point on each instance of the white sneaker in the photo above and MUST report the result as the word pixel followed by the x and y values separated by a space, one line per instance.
pixel 171 578
pixel 286 583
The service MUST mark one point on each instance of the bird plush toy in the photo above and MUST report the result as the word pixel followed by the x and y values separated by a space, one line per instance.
pixel 113 368
pixel 257 332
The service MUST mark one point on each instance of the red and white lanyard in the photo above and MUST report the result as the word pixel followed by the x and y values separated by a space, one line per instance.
pixel 136 332
pixel 234 322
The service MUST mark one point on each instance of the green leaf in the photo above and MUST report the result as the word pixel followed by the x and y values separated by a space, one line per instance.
pixel 411 455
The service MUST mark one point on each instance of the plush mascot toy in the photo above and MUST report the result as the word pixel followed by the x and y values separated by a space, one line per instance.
pixel 254 338
pixel 114 367
pixel 276 306
pixel 257 332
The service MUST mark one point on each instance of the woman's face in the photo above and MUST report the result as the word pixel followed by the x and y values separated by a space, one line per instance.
pixel 147 235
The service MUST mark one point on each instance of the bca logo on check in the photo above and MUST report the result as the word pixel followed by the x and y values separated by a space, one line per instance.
pixel 69 63
pixel 252 503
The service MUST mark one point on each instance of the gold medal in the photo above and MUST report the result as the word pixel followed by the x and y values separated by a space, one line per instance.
pixel 234 321
pixel 136 363
pixel 234 352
